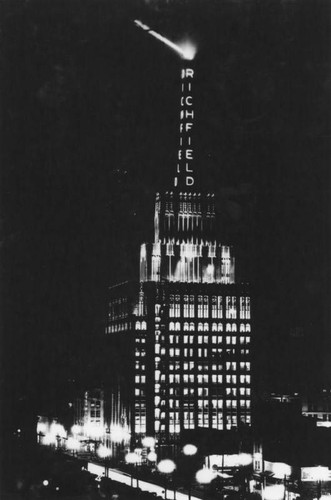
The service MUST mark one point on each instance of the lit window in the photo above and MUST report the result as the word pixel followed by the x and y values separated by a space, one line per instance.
pixel 177 326
pixel 220 307
pixel 234 327
pixel 220 327
pixel 200 310
pixel 192 327
pixel 186 327
pixel 214 327
pixel 248 327
pixel 138 325
pixel 200 327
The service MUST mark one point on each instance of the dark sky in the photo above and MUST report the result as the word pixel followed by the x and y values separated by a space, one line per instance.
pixel 90 117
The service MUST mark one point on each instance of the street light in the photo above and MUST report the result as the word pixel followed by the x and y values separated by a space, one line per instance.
pixel 76 429
pixel 204 476
pixel 148 442
pixel 132 458
pixel 274 492
pixel 73 445
pixel 104 452
pixel 189 450
pixel 167 467
pixel 49 439
pixel 152 456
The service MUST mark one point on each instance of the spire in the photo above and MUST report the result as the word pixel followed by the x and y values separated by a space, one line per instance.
pixel 184 178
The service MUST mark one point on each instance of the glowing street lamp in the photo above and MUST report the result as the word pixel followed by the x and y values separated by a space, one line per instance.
pixel 76 429
pixel 274 492
pixel 73 444
pixel 189 450
pixel 132 458
pixel 119 434
pixel 152 456
pixel 148 442
pixel 49 439
pixel 245 459
pixel 104 452
pixel 204 476
pixel 166 467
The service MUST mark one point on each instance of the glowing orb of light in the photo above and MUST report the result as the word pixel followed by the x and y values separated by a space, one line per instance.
pixel 45 482
pixel 245 459
pixel 166 466
pixel 274 492
pixel 205 476
pixel 57 430
pixel 190 449
pixel 76 429
pixel 280 470
pixel 152 457
pixel 103 451
pixel 42 428
pixel 94 431
pixel 49 439
pixel 149 442
pixel 73 444
pixel 132 458
pixel 119 433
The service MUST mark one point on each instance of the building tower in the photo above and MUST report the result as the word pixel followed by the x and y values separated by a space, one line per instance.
pixel 187 324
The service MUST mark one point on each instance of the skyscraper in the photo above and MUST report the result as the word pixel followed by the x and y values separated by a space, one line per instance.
pixel 181 336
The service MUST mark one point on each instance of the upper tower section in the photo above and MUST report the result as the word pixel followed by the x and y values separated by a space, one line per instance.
pixel 186 247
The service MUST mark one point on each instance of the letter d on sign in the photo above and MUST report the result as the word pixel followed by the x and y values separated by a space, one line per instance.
pixel 189 181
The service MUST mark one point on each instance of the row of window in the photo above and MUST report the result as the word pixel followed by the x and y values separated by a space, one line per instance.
pixel 215 327
pixel 206 378
pixel 191 365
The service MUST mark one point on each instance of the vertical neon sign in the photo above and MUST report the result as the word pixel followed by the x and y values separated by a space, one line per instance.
pixel 185 151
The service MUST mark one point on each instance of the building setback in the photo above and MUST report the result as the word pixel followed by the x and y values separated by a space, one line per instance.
pixel 180 337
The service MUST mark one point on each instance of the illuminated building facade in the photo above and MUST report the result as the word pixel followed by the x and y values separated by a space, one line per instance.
pixel 185 328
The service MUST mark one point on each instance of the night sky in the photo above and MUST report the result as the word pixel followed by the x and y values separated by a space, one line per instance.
pixel 90 108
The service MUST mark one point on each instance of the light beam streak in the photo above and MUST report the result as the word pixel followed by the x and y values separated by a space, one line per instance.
pixel 186 50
